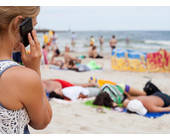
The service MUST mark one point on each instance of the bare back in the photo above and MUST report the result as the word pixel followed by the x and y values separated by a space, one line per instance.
pixel 150 101
pixel 8 93
pixel 21 87
pixel 113 42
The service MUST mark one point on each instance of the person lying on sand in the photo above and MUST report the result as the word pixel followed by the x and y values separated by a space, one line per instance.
pixel 92 53
pixel 69 61
pixel 57 88
pixel 111 96
pixel 64 90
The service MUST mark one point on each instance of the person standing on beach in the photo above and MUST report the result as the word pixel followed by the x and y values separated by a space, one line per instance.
pixel 101 41
pixel 54 41
pixel 113 42
pixel 92 41
pixel 45 37
pixel 73 42
pixel 23 100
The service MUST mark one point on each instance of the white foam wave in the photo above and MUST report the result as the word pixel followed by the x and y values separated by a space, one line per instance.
pixel 161 42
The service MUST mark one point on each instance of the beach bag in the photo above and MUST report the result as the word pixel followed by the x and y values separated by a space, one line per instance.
pixel 114 91
pixel 150 88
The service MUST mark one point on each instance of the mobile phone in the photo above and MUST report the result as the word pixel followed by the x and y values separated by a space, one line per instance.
pixel 25 27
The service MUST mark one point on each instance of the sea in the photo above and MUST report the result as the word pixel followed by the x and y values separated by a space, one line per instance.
pixel 143 41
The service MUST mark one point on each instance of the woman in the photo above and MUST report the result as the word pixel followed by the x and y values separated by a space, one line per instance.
pixel 156 102
pixel 22 96
pixel 57 88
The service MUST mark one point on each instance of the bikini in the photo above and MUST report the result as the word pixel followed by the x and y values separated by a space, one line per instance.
pixel 12 121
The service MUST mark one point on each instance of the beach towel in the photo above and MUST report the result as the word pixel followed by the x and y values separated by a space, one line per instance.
pixel 54 67
pixel 148 114
pixel 152 114
pixel 81 68
pixel 93 66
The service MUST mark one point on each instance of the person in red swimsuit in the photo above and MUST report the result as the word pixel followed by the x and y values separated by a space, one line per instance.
pixel 53 88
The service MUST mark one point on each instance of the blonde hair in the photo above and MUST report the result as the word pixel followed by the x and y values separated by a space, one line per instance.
pixel 7 13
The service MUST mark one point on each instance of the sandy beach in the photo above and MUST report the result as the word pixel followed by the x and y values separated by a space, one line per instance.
pixel 75 117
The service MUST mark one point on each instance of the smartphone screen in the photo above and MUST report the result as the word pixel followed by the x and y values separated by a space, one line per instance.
pixel 25 28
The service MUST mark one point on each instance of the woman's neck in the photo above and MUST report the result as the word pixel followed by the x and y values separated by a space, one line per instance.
pixel 5 49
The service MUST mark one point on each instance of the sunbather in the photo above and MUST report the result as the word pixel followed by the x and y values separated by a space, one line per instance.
pixel 56 53
pixel 93 52
pixel 69 61
pixel 155 102
pixel 58 88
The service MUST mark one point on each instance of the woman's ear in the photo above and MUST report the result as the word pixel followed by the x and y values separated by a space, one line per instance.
pixel 17 20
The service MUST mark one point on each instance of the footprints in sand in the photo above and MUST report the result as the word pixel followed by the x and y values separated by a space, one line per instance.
pixel 84 128
pixel 77 115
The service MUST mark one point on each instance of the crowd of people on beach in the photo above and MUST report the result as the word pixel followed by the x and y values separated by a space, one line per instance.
pixel 50 40
pixel 70 62
pixel 24 96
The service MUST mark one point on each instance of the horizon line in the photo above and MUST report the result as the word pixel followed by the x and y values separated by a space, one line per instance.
pixel 68 30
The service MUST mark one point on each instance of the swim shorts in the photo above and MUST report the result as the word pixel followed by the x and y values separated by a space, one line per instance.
pixel 63 83
pixel 164 97
pixel 113 47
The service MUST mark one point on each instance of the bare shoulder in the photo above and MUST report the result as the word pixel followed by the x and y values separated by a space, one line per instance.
pixel 20 73
pixel 21 77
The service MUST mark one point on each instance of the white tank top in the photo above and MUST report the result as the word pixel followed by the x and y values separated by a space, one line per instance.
pixel 12 121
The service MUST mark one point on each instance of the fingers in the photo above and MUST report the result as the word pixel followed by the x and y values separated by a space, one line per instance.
pixel 35 49
pixel 31 41
pixel 34 34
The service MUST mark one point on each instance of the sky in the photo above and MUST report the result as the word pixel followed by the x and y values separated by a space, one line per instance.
pixel 79 18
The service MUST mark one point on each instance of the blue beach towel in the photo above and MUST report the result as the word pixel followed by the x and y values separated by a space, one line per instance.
pixel 152 114
pixel 155 114
pixel 148 115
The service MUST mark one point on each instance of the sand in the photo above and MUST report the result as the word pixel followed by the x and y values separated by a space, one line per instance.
pixel 75 117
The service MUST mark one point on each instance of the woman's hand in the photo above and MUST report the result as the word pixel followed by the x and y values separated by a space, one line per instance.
pixel 32 60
